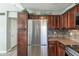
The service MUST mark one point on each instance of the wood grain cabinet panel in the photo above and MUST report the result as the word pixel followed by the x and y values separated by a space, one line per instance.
pixel 22 22
pixel 61 22
pixel 49 21
pixel 52 21
pixel 60 49
pixel 52 48
pixel 55 48
pixel 69 19
pixel 22 43
pixel 75 13
pixel 22 34
pixel 66 20
pixel 77 8
pixel 58 22
pixel 72 18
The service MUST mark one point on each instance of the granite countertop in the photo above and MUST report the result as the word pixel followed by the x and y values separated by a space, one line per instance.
pixel 64 41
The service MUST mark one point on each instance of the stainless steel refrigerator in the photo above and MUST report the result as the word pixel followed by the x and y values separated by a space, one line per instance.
pixel 37 37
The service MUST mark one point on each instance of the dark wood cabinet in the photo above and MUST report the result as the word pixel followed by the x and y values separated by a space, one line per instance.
pixel 60 49
pixel 61 22
pixel 66 20
pixel 69 17
pixel 58 22
pixel 22 34
pixel 72 18
pixel 77 7
pixel 52 49
pixel 53 20
pixel 22 43
pixel 49 21
pixel 55 48
pixel 22 22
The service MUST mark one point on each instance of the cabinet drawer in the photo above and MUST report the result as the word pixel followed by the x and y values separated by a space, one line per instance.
pixel 52 43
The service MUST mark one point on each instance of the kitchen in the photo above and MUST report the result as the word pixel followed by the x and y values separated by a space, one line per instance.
pixel 61 31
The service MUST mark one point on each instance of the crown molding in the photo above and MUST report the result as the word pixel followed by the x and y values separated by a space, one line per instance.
pixel 71 6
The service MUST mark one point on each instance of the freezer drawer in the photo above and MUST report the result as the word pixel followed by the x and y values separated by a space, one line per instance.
pixel 34 50
pixel 37 51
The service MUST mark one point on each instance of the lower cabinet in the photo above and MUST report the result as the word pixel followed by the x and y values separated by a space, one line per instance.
pixel 56 48
pixel 52 50
pixel 60 49
pixel 22 43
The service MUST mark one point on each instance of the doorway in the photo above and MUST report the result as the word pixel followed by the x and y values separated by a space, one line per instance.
pixel 11 34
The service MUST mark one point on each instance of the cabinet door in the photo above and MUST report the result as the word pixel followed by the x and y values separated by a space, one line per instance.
pixel 22 34
pixel 65 20
pixel 60 49
pixel 52 21
pixel 22 20
pixel 58 22
pixel 49 22
pixel 52 50
pixel 69 19
pixel 22 43
pixel 61 21
pixel 55 22
pixel 77 8
pixel 75 13
pixel 72 18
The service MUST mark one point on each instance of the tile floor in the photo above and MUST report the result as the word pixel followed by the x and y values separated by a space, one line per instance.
pixel 12 52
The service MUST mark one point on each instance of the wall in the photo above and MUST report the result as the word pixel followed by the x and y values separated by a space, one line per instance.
pixel 11 15
pixel 4 7
pixel 3 33
pixel 8 44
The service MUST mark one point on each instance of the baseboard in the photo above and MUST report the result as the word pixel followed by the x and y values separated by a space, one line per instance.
pixel 3 51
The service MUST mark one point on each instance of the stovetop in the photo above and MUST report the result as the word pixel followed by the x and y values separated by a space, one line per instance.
pixel 74 47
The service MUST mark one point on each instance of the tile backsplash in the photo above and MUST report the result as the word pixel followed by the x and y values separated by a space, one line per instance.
pixel 71 34
pixel 58 33
pixel 74 35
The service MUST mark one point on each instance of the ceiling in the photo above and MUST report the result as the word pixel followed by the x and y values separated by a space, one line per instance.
pixel 46 8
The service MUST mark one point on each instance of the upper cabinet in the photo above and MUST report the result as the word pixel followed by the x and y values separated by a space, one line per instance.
pixel 54 21
pixel 66 20
pixel 77 8
pixel 22 34
pixel 69 18
pixel 22 22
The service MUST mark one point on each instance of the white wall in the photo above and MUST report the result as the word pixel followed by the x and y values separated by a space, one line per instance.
pixel 4 7
pixel 9 7
pixel 3 33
